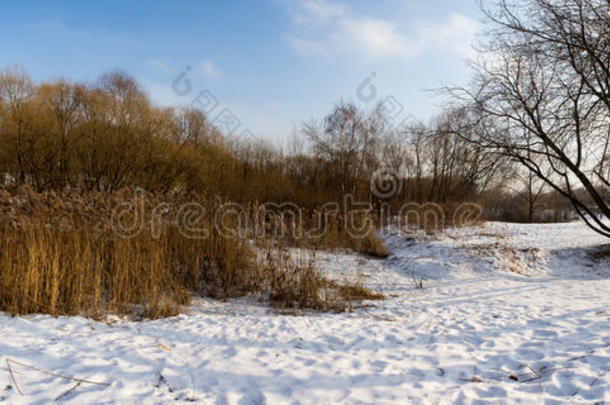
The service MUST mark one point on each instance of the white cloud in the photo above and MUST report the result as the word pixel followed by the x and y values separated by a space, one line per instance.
pixel 161 93
pixel 210 70
pixel 455 34
pixel 338 29
pixel 319 11
pixel 376 38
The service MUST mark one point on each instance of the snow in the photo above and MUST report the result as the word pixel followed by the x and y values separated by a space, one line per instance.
pixel 507 314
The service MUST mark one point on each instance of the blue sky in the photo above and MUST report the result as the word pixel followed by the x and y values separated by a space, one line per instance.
pixel 273 63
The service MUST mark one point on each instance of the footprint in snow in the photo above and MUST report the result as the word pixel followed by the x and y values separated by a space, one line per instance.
pixel 253 398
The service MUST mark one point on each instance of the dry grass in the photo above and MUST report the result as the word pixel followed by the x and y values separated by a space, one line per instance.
pixel 60 255
pixel 293 282
pixel 505 256
pixel 372 246
pixel 357 292
pixel 323 231
pixel 433 218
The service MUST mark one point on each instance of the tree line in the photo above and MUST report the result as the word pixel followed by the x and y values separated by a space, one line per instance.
pixel 108 135
pixel 531 132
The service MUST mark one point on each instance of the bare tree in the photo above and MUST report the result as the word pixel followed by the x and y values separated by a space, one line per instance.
pixel 63 101
pixel 545 72
pixel 16 91
pixel 346 140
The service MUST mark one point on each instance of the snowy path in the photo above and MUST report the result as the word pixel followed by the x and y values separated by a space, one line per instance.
pixel 499 301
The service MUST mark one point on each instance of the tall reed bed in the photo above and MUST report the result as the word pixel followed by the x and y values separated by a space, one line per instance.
pixel 318 229
pixel 142 254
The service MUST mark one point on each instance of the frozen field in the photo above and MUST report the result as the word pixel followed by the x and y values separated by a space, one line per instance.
pixel 507 314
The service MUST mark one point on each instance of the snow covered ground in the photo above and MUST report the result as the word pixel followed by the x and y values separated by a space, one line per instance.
pixel 507 314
